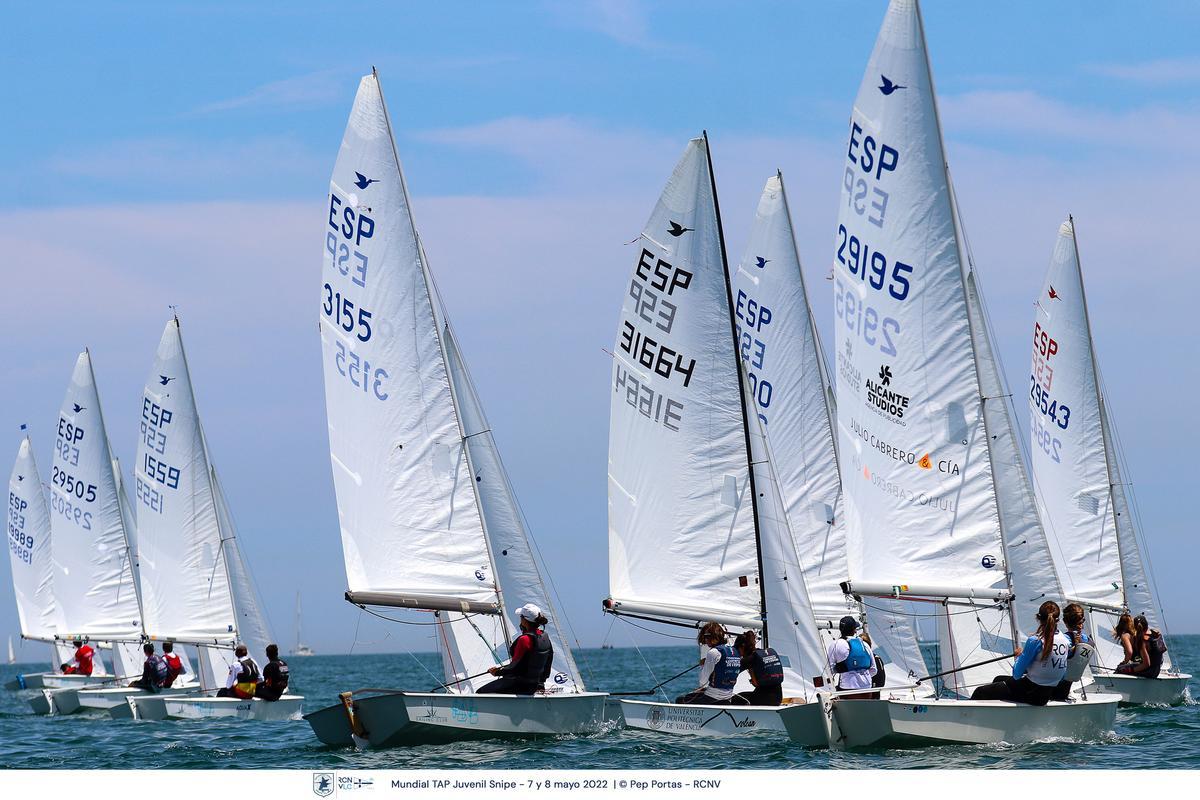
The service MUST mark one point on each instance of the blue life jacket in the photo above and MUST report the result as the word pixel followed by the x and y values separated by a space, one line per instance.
pixel 725 673
pixel 858 658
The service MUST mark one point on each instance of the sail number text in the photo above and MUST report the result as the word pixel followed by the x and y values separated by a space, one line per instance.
pixel 19 542
pixel 341 310
pixel 865 321
pixel 1059 413
pixel 359 371
pixel 858 257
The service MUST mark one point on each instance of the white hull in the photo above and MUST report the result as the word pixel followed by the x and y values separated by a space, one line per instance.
pixel 417 718
pixel 886 723
pixel 1165 690
pixel 54 680
pixel 115 698
pixel 32 681
pixel 718 721
pixel 187 706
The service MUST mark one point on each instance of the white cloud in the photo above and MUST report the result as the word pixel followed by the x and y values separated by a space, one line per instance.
pixel 303 91
pixel 1163 71
pixel 623 21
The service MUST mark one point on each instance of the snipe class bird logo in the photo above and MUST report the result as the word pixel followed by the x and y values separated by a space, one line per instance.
pixel 362 181
pixel 887 87
pixel 1053 294
pixel 677 230
pixel 164 380
pixel 885 375
pixel 761 262
pixel 78 407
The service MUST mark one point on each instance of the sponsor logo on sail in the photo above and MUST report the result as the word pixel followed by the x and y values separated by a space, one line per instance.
pixel 988 561
pixel 883 399
pixel 851 375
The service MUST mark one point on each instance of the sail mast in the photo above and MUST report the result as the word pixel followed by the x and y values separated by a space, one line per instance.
pixel 741 379
pixel 438 333
pixel 963 261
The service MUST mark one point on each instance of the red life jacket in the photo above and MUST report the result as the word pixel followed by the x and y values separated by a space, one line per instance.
pixel 174 668
pixel 83 660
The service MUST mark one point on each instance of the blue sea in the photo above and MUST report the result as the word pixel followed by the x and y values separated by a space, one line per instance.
pixel 1163 738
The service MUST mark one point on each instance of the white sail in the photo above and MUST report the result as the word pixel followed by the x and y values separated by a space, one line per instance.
pixel 29 547
pixel 937 500
pixel 411 529
pixel 94 587
pixel 516 569
pixel 251 622
pixel 681 517
pixel 779 345
pixel 185 586
pixel 1080 492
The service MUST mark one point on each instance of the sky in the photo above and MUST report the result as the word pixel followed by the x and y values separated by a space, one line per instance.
pixel 159 154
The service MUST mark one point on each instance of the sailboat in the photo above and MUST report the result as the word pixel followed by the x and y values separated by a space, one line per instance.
pixel 195 587
pixel 12 655
pixel 428 518
pixel 1082 494
pixel 94 583
pixel 938 502
pixel 697 528
pixel 780 346
pixel 300 649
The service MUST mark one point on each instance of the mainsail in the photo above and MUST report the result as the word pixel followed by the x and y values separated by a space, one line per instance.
pixel 780 347
pixel 29 547
pixel 94 587
pixel 427 517
pixel 1081 495
pixel 937 503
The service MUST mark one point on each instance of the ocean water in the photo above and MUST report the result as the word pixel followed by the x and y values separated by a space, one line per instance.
pixel 1166 738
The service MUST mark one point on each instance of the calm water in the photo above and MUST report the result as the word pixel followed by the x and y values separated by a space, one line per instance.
pixel 1145 737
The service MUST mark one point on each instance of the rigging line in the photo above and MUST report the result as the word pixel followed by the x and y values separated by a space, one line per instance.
pixel 406 622
pixel 358 622
pixel 491 648
pixel 653 677
pixel 624 618
pixel 948 612
pixel 421 664
pixel 449 653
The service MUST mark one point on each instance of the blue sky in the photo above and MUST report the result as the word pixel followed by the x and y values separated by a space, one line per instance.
pixel 155 154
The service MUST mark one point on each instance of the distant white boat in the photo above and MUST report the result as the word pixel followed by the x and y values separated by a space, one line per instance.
pixel 12 656
pixel 428 519
pixel 300 649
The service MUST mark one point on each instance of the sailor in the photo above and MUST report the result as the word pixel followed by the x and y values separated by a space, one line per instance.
pixel 766 671
pixel 1076 635
pixel 174 664
pixel 531 657
pixel 154 671
pixel 1040 666
pixel 853 661
pixel 243 676
pixel 1149 646
pixel 275 676
pixel 81 662
pixel 720 666
pixel 1124 633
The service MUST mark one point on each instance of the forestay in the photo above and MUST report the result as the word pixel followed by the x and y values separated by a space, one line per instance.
pixel 787 379
pixel 923 493
pixel 681 516
pixel 1080 493
pixel 94 587
pixel 185 584
pixel 29 547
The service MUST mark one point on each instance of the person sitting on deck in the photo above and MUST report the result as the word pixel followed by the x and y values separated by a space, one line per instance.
pixel 766 672
pixel 1150 646
pixel 720 665
pixel 853 660
pixel 243 677
pixel 154 671
pixel 1126 634
pixel 82 662
pixel 532 656
pixel 275 676
pixel 1073 619
pixel 1039 668
pixel 174 664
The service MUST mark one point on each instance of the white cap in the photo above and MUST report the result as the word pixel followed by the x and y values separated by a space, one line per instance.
pixel 529 612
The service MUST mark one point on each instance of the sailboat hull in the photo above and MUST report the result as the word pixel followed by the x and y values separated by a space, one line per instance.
pixel 403 719
pixel 1165 690
pixel 889 723
pixel 56 701
pixel 718 721
pixel 190 706
pixel 114 699
pixel 35 680
pixel 54 680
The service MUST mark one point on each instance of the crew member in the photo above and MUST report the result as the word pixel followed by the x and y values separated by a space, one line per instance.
pixel 154 671
pixel 1039 668
pixel 174 664
pixel 766 672
pixel 853 661
pixel 1149 647
pixel 275 676
pixel 1073 619
pixel 81 662
pixel 531 657
pixel 243 676
pixel 720 665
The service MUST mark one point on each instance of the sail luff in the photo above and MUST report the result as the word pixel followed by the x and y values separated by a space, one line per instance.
pixel 741 381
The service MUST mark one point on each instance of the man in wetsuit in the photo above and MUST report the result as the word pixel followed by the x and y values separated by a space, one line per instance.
pixel 154 671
